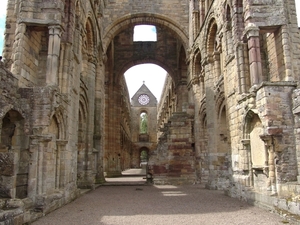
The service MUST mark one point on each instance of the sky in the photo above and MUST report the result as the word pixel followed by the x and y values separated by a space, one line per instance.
pixel 151 74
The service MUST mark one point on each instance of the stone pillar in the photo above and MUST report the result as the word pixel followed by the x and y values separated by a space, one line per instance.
pixel 18 49
pixel 252 33
pixel 53 54
pixel 195 23
pixel 182 97
pixel 60 179
pixel 65 67
pixel 286 45
pixel 206 6
pixel 202 11
pixel 228 38
pixel 217 67
pixel 242 61
pixel 245 160
pixel 269 143
pixel 36 166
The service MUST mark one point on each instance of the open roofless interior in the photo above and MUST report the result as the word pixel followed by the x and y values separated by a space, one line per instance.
pixel 227 117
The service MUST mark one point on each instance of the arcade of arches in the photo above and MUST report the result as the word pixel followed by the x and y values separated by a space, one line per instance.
pixel 228 118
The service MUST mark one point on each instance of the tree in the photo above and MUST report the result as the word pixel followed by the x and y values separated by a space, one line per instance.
pixel 144 124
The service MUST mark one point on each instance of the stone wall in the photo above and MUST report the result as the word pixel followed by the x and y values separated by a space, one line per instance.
pixel 228 117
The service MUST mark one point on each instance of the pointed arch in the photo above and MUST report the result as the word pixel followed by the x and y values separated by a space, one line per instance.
pixel 58 117
pixel 90 38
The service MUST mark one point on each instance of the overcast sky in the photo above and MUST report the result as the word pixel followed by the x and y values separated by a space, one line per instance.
pixel 152 75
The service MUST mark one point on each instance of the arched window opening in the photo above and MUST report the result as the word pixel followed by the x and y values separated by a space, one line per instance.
pixel 144 156
pixel 143 123
pixel 14 157
pixel 144 33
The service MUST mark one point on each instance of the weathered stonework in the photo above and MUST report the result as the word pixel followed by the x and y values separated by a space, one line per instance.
pixel 228 118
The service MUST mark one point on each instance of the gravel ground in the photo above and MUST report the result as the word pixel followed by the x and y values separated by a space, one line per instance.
pixel 163 205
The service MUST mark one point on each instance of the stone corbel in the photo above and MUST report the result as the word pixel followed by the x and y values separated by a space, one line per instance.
pixel 246 142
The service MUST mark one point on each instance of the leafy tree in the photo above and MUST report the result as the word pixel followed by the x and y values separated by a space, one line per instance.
pixel 144 124
pixel 144 156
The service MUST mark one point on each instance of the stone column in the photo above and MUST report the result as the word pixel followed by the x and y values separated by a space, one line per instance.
pixel 202 11
pixel 60 175
pixel 242 61
pixel 228 37
pixel 195 23
pixel 18 49
pixel 182 97
pixel 252 33
pixel 36 166
pixel 53 54
pixel 217 67
pixel 269 143
pixel 206 6
pixel 286 45
pixel 245 160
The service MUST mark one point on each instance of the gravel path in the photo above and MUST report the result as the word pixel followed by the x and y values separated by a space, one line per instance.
pixel 163 205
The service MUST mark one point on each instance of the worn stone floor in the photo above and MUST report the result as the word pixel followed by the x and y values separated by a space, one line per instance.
pixel 135 204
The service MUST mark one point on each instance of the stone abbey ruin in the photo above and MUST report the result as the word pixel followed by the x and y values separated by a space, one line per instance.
pixel 229 117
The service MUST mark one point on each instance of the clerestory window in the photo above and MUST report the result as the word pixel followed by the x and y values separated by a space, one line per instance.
pixel 144 33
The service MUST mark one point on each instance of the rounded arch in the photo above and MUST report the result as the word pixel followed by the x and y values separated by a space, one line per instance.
pixel 211 35
pixel 132 63
pixel 144 154
pixel 197 67
pixel 143 18
pixel 12 126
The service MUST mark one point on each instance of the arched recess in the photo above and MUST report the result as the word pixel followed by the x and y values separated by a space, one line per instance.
pixel 202 162
pixel 228 30
pixel 256 155
pixel 214 50
pixel 197 67
pixel 82 146
pixel 199 74
pixel 53 172
pixel 14 157
pixel 224 138
pixel 58 116
pixel 143 18
pixel 89 49
pixel 212 37
pixel 143 156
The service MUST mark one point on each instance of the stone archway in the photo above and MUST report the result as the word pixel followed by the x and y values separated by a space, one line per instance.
pixel 169 52
pixel 14 157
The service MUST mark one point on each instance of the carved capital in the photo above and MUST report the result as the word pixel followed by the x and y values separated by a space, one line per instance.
pixel 251 31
